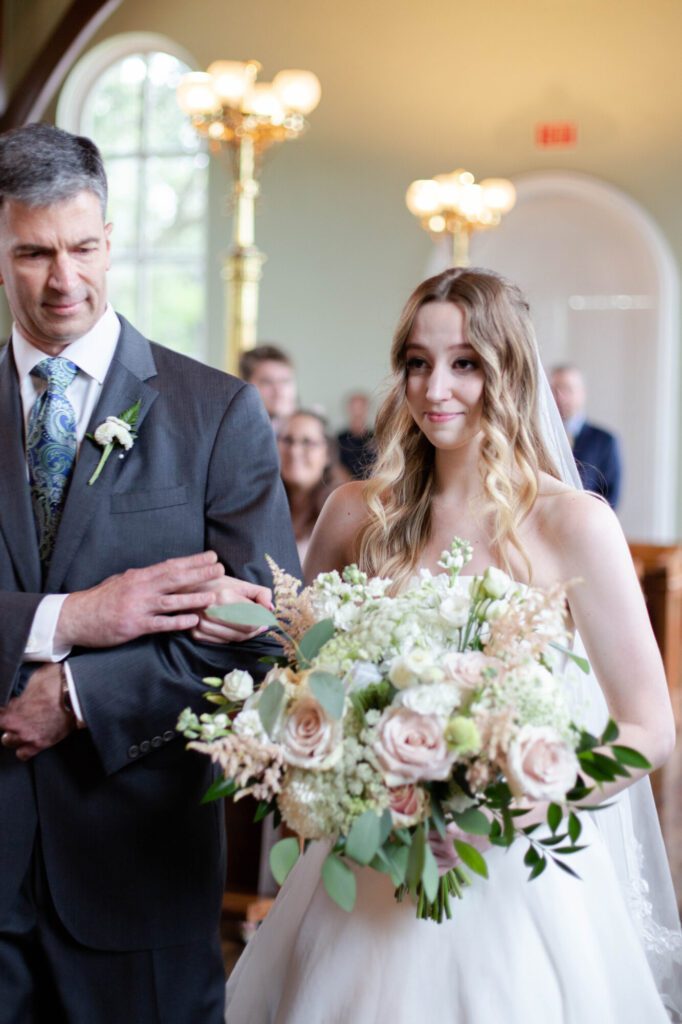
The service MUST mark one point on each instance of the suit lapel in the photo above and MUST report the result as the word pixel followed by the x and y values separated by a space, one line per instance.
pixel 16 511
pixel 131 366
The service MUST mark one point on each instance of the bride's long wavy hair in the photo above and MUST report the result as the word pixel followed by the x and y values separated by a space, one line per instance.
pixel 399 494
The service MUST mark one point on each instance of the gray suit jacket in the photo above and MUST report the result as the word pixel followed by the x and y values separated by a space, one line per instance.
pixel 133 860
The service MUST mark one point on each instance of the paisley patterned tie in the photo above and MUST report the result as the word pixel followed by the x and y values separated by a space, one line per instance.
pixel 50 449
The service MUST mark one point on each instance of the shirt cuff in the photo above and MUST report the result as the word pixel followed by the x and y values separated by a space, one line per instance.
pixel 41 645
pixel 73 694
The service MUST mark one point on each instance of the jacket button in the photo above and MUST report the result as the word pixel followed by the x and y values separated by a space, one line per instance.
pixel 145 747
pixel 168 736
pixel 157 741
pixel 134 751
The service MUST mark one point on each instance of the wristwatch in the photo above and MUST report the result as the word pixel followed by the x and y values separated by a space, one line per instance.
pixel 65 694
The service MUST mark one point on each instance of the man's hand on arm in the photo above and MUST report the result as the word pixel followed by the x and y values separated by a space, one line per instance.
pixel 38 718
pixel 160 598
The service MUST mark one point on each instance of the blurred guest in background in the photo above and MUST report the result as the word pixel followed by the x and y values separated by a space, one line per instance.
pixel 271 370
pixel 356 449
pixel 309 469
pixel 596 451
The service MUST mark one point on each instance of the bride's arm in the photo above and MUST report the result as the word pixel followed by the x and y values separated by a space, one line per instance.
pixel 333 544
pixel 609 612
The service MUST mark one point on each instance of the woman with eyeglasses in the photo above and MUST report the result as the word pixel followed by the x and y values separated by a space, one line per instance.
pixel 310 470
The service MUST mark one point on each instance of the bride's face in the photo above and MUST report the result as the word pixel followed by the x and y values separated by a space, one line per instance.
pixel 445 377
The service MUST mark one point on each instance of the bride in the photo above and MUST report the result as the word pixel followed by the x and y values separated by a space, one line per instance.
pixel 469 443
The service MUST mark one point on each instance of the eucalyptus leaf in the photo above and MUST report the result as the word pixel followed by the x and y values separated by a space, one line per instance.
pixel 269 704
pixel 283 856
pixel 219 789
pixel 315 638
pixel 437 817
pixel 245 613
pixel 339 881
pixel 385 826
pixel 329 691
pixel 473 821
pixel 364 838
pixel 470 856
pixel 398 857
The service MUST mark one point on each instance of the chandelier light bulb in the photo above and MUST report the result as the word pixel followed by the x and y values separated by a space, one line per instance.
pixel 231 80
pixel 263 101
pixel 196 95
pixel 298 91
pixel 499 194
pixel 423 197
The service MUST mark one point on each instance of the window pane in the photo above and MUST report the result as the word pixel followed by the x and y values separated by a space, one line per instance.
pixel 123 175
pixel 168 129
pixel 175 307
pixel 112 113
pixel 123 290
pixel 175 191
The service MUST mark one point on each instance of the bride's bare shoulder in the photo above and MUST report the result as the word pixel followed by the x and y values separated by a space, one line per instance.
pixel 574 522
pixel 334 541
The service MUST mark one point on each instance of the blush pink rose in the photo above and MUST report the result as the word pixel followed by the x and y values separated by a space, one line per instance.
pixel 540 764
pixel 309 738
pixel 466 668
pixel 408 804
pixel 411 747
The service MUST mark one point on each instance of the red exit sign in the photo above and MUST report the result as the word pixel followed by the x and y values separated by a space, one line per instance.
pixel 550 134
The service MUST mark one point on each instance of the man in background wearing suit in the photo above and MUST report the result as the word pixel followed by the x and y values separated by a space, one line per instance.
pixel 111 872
pixel 596 451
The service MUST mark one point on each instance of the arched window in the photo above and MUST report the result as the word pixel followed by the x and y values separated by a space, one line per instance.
pixel 122 95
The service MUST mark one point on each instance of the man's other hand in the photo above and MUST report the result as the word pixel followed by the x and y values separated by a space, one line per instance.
pixel 37 719
pixel 229 590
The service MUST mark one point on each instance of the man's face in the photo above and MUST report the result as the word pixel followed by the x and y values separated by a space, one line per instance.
pixel 277 385
pixel 569 392
pixel 53 264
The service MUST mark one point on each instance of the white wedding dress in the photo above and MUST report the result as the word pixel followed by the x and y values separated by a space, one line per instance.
pixel 602 950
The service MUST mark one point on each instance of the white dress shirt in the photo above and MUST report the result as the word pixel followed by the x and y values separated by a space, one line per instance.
pixel 92 354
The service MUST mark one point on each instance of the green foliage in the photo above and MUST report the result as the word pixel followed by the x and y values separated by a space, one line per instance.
pixel 243 614
pixel 283 856
pixel 269 704
pixel 473 859
pixel 415 860
pixel 376 695
pixel 554 816
pixel 430 874
pixel 329 691
pixel 582 663
pixel 630 757
pixel 219 789
pixel 339 881
pixel 313 639
pixel 473 821
pixel 364 838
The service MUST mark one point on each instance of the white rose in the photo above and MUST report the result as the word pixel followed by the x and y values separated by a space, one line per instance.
pixel 237 685
pixel 455 610
pixel 436 699
pixel 414 667
pixel 248 723
pixel 466 668
pixel 540 765
pixel 114 429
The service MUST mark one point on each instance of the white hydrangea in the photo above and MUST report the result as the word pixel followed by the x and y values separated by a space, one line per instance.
pixel 437 699
pixel 248 723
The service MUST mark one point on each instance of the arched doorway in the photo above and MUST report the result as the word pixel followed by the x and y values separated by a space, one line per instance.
pixel 603 290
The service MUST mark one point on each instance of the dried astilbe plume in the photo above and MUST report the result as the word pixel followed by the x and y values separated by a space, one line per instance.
pixel 293 609
pixel 245 759
pixel 533 620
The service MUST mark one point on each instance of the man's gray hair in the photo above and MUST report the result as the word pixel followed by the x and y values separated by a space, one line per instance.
pixel 41 165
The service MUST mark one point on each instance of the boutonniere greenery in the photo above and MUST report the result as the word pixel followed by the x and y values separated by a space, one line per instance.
pixel 118 430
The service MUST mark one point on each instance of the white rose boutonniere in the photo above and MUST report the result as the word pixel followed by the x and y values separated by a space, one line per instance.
pixel 118 430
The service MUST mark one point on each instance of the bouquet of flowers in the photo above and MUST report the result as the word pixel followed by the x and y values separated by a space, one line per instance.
pixel 409 730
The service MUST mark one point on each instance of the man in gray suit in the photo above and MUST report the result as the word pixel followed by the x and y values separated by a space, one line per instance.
pixel 111 871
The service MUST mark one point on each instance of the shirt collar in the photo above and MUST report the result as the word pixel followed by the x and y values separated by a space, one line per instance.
pixel 92 353
pixel 574 424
